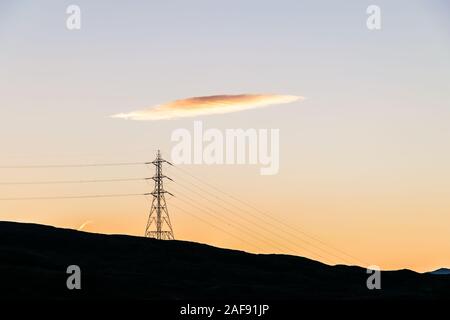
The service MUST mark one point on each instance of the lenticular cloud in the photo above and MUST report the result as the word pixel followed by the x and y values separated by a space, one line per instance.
pixel 198 106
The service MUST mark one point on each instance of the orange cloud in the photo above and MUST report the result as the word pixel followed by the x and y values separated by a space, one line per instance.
pixel 198 106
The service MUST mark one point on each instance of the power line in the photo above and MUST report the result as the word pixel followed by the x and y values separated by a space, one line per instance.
pixel 265 229
pixel 218 228
pixel 75 197
pixel 216 215
pixel 49 166
pixel 146 179
pixel 263 221
pixel 73 181
pixel 271 217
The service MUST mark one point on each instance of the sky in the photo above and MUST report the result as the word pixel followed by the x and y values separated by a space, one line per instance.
pixel 364 157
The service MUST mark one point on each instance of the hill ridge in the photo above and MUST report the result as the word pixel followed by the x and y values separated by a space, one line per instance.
pixel 34 259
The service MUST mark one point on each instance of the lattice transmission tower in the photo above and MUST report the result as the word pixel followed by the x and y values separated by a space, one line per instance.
pixel 158 224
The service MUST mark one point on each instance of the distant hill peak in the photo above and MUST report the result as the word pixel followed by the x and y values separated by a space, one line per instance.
pixel 441 271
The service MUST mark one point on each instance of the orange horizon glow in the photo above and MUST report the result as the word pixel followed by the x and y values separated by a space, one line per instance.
pixel 397 248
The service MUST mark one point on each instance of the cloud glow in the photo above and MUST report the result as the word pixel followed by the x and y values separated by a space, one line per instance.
pixel 197 106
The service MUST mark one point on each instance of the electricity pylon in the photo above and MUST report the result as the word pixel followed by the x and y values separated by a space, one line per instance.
pixel 158 224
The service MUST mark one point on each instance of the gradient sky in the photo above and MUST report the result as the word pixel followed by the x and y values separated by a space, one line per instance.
pixel 364 159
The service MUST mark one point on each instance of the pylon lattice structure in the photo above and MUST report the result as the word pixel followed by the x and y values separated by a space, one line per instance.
pixel 158 224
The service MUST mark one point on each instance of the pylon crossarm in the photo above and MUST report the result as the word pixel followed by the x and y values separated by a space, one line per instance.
pixel 157 178
pixel 155 193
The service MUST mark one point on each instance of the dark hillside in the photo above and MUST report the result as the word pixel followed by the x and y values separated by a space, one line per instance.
pixel 34 258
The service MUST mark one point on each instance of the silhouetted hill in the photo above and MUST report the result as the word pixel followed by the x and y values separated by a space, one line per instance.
pixel 441 271
pixel 34 259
